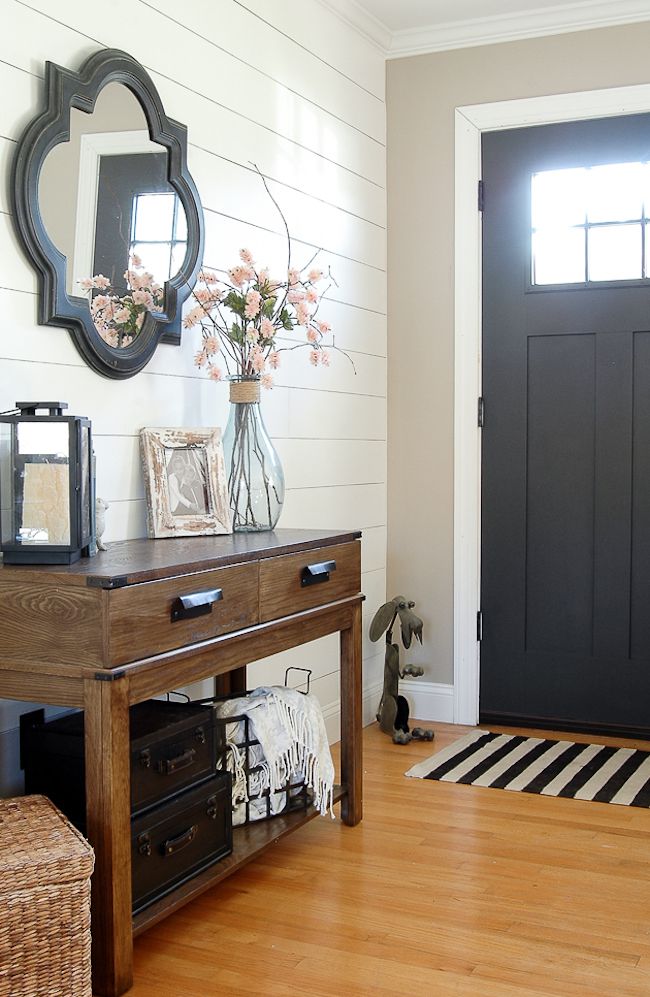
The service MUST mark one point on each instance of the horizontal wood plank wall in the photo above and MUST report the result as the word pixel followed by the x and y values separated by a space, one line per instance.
pixel 287 87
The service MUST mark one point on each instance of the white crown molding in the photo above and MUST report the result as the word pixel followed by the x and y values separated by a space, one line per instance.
pixel 363 22
pixel 559 19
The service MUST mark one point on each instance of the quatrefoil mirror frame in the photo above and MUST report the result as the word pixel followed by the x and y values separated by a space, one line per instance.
pixel 56 307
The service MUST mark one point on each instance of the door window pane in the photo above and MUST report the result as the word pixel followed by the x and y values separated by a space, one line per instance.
pixel 159 234
pixel 559 256
pixel 590 224
pixel 558 197
pixel 155 256
pixel 180 232
pixel 615 252
pixel 615 192
pixel 178 255
pixel 154 217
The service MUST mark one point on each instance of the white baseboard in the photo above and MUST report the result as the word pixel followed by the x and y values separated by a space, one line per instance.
pixel 332 712
pixel 371 698
pixel 429 700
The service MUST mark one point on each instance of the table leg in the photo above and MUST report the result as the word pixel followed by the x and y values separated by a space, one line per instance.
pixel 231 683
pixel 351 721
pixel 108 824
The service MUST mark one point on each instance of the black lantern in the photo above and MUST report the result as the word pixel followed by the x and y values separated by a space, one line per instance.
pixel 46 485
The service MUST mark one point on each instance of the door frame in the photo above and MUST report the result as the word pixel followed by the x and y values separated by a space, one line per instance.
pixel 471 121
pixel 92 147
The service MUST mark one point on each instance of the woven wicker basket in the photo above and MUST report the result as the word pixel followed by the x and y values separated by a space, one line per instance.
pixel 45 868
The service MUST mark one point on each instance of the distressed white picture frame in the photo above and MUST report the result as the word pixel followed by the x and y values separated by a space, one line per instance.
pixel 185 482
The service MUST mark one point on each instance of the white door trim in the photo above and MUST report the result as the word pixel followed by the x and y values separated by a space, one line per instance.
pixel 92 146
pixel 471 122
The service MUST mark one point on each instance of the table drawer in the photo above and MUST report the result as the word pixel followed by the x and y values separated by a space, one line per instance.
pixel 294 582
pixel 151 617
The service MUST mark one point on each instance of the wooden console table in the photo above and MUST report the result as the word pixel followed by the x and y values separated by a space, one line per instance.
pixel 99 635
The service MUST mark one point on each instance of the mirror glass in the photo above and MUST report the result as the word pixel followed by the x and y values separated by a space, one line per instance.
pixel 127 231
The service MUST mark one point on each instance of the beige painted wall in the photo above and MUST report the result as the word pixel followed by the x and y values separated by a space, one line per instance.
pixel 422 93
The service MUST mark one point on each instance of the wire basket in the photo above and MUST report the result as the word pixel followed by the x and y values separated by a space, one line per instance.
pixel 244 758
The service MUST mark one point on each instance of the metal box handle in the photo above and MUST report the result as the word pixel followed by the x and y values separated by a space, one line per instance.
pixel 175 844
pixel 314 574
pixel 167 766
pixel 195 604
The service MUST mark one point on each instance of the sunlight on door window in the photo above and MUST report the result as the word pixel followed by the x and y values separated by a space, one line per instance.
pixel 159 233
pixel 590 225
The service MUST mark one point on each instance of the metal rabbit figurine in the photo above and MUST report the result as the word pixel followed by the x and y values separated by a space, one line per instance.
pixel 100 521
pixel 393 713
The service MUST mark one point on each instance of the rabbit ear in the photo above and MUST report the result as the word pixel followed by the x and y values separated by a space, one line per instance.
pixel 411 625
pixel 381 620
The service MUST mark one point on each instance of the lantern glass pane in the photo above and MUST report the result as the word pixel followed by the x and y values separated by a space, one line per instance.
pixel 42 483
pixel 84 460
pixel 6 479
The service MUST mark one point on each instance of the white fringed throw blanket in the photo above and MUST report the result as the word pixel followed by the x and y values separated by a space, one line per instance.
pixel 292 744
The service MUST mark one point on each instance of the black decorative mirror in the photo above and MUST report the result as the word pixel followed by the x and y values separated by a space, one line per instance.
pixel 108 212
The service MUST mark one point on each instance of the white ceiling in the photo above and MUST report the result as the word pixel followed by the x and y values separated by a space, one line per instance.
pixel 412 27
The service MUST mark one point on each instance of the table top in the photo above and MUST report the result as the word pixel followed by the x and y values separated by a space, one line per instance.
pixel 128 562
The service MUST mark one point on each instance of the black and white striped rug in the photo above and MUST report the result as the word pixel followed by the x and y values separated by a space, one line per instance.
pixel 541 765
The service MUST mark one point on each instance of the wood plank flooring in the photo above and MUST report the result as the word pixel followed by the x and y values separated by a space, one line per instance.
pixel 444 890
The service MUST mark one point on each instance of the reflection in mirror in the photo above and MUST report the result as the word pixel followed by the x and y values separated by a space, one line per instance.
pixel 127 232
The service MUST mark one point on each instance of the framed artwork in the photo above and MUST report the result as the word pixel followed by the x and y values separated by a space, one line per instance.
pixel 185 482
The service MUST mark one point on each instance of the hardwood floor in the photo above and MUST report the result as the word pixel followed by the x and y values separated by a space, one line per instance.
pixel 442 891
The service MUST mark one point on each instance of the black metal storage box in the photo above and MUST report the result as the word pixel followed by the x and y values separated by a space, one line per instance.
pixel 179 839
pixel 172 747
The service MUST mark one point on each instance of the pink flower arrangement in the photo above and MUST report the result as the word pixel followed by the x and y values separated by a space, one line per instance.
pixel 243 312
pixel 118 319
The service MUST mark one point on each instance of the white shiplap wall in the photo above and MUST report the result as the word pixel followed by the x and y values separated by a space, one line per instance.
pixel 289 87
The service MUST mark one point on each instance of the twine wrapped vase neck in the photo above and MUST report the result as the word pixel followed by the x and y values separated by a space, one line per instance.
pixel 247 390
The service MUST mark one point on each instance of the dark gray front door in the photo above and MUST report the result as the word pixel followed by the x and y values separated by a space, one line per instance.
pixel 565 580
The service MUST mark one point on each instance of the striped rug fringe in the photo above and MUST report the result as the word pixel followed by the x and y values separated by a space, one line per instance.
pixel 540 765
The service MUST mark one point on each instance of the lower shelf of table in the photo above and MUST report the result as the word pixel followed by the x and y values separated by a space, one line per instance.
pixel 249 841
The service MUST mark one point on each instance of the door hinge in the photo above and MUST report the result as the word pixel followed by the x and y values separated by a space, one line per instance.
pixel 481 412
pixel 481 195
pixel 479 626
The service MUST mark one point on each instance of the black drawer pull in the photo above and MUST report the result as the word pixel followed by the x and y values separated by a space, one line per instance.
pixel 175 844
pixel 313 574
pixel 167 766
pixel 195 604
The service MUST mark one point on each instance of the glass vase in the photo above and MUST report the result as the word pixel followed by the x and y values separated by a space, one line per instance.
pixel 255 477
